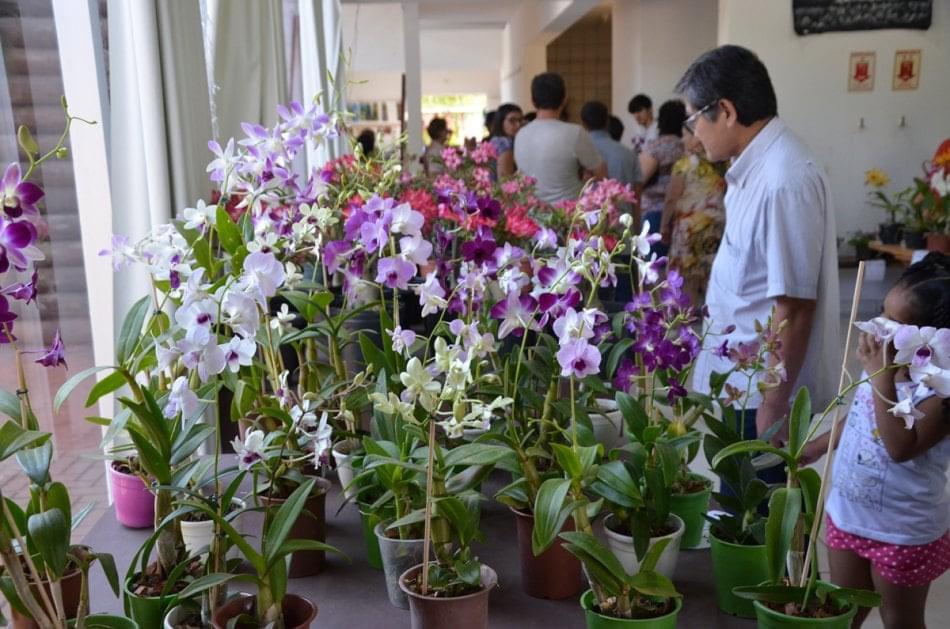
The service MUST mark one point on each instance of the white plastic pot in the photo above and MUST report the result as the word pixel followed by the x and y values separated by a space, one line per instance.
pixel 197 535
pixel 175 616
pixel 622 547
pixel 608 425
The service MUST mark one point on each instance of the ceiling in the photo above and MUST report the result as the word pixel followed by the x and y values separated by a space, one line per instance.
pixel 458 14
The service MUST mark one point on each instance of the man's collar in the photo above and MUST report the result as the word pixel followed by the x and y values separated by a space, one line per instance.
pixel 752 154
pixel 598 132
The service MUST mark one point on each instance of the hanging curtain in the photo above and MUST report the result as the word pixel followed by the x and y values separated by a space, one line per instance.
pixel 160 121
pixel 323 68
pixel 248 63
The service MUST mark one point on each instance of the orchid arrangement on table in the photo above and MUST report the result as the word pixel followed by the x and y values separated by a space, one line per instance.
pixel 931 201
pixel 35 540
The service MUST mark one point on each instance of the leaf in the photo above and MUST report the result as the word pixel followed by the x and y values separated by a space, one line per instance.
pixel 107 385
pixel 549 517
pixel 477 454
pixel 652 583
pixel 35 462
pixel 653 554
pixel 623 489
pixel 464 523
pixel 13 439
pixel 57 497
pixel 10 406
pixel 49 531
pixel 633 414
pixel 597 552
pixel 799 420
pixel 810 482
pixel 68 386
pixel 286 516
pixel 228 232
pixel 785 506
pixel 107 561
pixel 751 446
pixel 861 598
pixel 131 331
pixel 568 461
pixel 205 583
pixel 616 353
pixel 778 594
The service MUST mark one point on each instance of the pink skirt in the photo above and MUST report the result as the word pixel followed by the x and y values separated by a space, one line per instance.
pixel 906 566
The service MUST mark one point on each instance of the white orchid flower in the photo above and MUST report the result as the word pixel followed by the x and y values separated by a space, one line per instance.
pixel 251 450
pixel 181 399
pixel 906 411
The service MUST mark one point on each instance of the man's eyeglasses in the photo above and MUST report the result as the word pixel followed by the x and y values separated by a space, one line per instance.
pixel 690 123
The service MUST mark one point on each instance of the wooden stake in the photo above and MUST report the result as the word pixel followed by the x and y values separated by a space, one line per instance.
pixel 427 533
pixel 829 455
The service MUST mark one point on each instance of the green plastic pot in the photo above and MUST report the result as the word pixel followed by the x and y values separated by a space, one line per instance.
pixel 691 508
pixel 107 621
pixel 599 621
pixel 735 565
pixel 767 618
pixel 147 611
pixel 369 522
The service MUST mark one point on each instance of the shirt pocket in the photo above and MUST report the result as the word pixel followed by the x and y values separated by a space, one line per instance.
pixel 731 266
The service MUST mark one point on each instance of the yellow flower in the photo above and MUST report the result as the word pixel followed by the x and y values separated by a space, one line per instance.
pixel 876 178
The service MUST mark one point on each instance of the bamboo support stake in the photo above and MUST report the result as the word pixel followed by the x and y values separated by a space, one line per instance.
pixel 829 454
pixel 427 533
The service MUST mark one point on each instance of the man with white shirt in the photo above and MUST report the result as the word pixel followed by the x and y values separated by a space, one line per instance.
pixel 779 246
pixel 641 108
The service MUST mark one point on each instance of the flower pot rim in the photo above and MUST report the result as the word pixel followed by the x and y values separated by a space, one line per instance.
pixel 712 533
pixel 343 454
pixel 804 620
pixel 680 529
pixel 589 594
pixel 521 512
pixel 321 487
pixel 243 596
pixel 484 589
pixel 695 475
pixel 378 531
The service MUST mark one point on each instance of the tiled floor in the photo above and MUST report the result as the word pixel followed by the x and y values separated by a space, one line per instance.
pixel 76 441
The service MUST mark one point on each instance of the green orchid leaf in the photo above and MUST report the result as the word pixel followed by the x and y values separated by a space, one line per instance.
pixel 549 515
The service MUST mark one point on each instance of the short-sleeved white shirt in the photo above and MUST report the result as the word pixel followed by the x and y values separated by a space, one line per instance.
pixel 779 240
pixel 553 152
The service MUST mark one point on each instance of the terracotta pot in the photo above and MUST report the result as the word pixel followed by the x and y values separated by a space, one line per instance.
pixel 461 612
pixel 134 503
pixel 312 524
pixel 939 242
pixel 71 585
pixel 298 611
pixel 555 573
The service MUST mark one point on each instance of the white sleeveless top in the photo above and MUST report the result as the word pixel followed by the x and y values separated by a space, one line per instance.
pixel 876 497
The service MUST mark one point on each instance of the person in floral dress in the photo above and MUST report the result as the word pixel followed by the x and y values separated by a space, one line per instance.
pixel 694 217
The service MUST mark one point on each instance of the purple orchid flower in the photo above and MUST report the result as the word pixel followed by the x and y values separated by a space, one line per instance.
pixel 395 272
pixel 516 313
pixel 18 197
pixel 6 321
pixel 625 377
pixel 22 291
pixel 374 236
pixel 579 359
pixel 489 208
pixel 333 253
pixel 676 391
pixel 55 355
pixel 16 237
pixel 480 251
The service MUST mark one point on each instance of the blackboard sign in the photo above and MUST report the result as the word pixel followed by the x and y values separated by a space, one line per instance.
pixel 822 16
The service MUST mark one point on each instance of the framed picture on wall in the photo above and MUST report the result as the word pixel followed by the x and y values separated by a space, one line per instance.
pixel 906 70
pixel 861 72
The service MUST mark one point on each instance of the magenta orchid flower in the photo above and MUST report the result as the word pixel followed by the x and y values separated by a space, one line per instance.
pixel 18 197
pixel 22 291
pixel 516 313
pixel 55 355
pixel 16 245
pixel 6 321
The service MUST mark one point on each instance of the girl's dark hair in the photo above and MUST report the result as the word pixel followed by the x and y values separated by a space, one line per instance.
pixel 670 119
pixel 927 284
pixel 498 123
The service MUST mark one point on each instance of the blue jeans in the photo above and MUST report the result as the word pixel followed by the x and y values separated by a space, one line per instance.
pixel 745 426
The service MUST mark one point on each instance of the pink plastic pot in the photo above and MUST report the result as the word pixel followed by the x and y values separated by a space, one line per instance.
pixel 134 503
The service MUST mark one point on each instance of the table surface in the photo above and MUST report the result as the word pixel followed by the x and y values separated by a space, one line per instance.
pixel 353 595
pixel 899 252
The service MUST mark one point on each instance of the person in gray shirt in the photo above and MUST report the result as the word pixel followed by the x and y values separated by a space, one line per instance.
pixel 622 164
pixel 558 155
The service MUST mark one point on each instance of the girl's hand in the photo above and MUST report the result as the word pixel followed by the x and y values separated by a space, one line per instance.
pixel 873 355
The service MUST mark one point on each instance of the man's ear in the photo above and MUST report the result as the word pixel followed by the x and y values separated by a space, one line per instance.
pixel 728 109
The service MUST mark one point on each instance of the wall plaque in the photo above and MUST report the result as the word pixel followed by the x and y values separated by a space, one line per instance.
pixel 822 16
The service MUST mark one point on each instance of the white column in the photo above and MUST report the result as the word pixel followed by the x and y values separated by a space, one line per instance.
pixel 84 84
pixel 413 104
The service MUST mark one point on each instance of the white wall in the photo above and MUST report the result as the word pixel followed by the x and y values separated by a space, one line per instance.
pixel 653 43
pixel 810 77
pixel 453 61
pixel 523 54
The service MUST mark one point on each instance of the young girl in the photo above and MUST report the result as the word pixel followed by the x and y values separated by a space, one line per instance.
pixel 888 509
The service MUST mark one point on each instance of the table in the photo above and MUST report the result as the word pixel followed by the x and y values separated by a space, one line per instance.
pixel 898 252
pixel 353 595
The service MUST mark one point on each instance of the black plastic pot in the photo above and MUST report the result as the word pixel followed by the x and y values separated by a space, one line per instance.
pixel 890 233
pixel 915 240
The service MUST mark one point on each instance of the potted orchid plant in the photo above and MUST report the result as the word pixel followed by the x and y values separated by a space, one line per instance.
pixel 43 576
